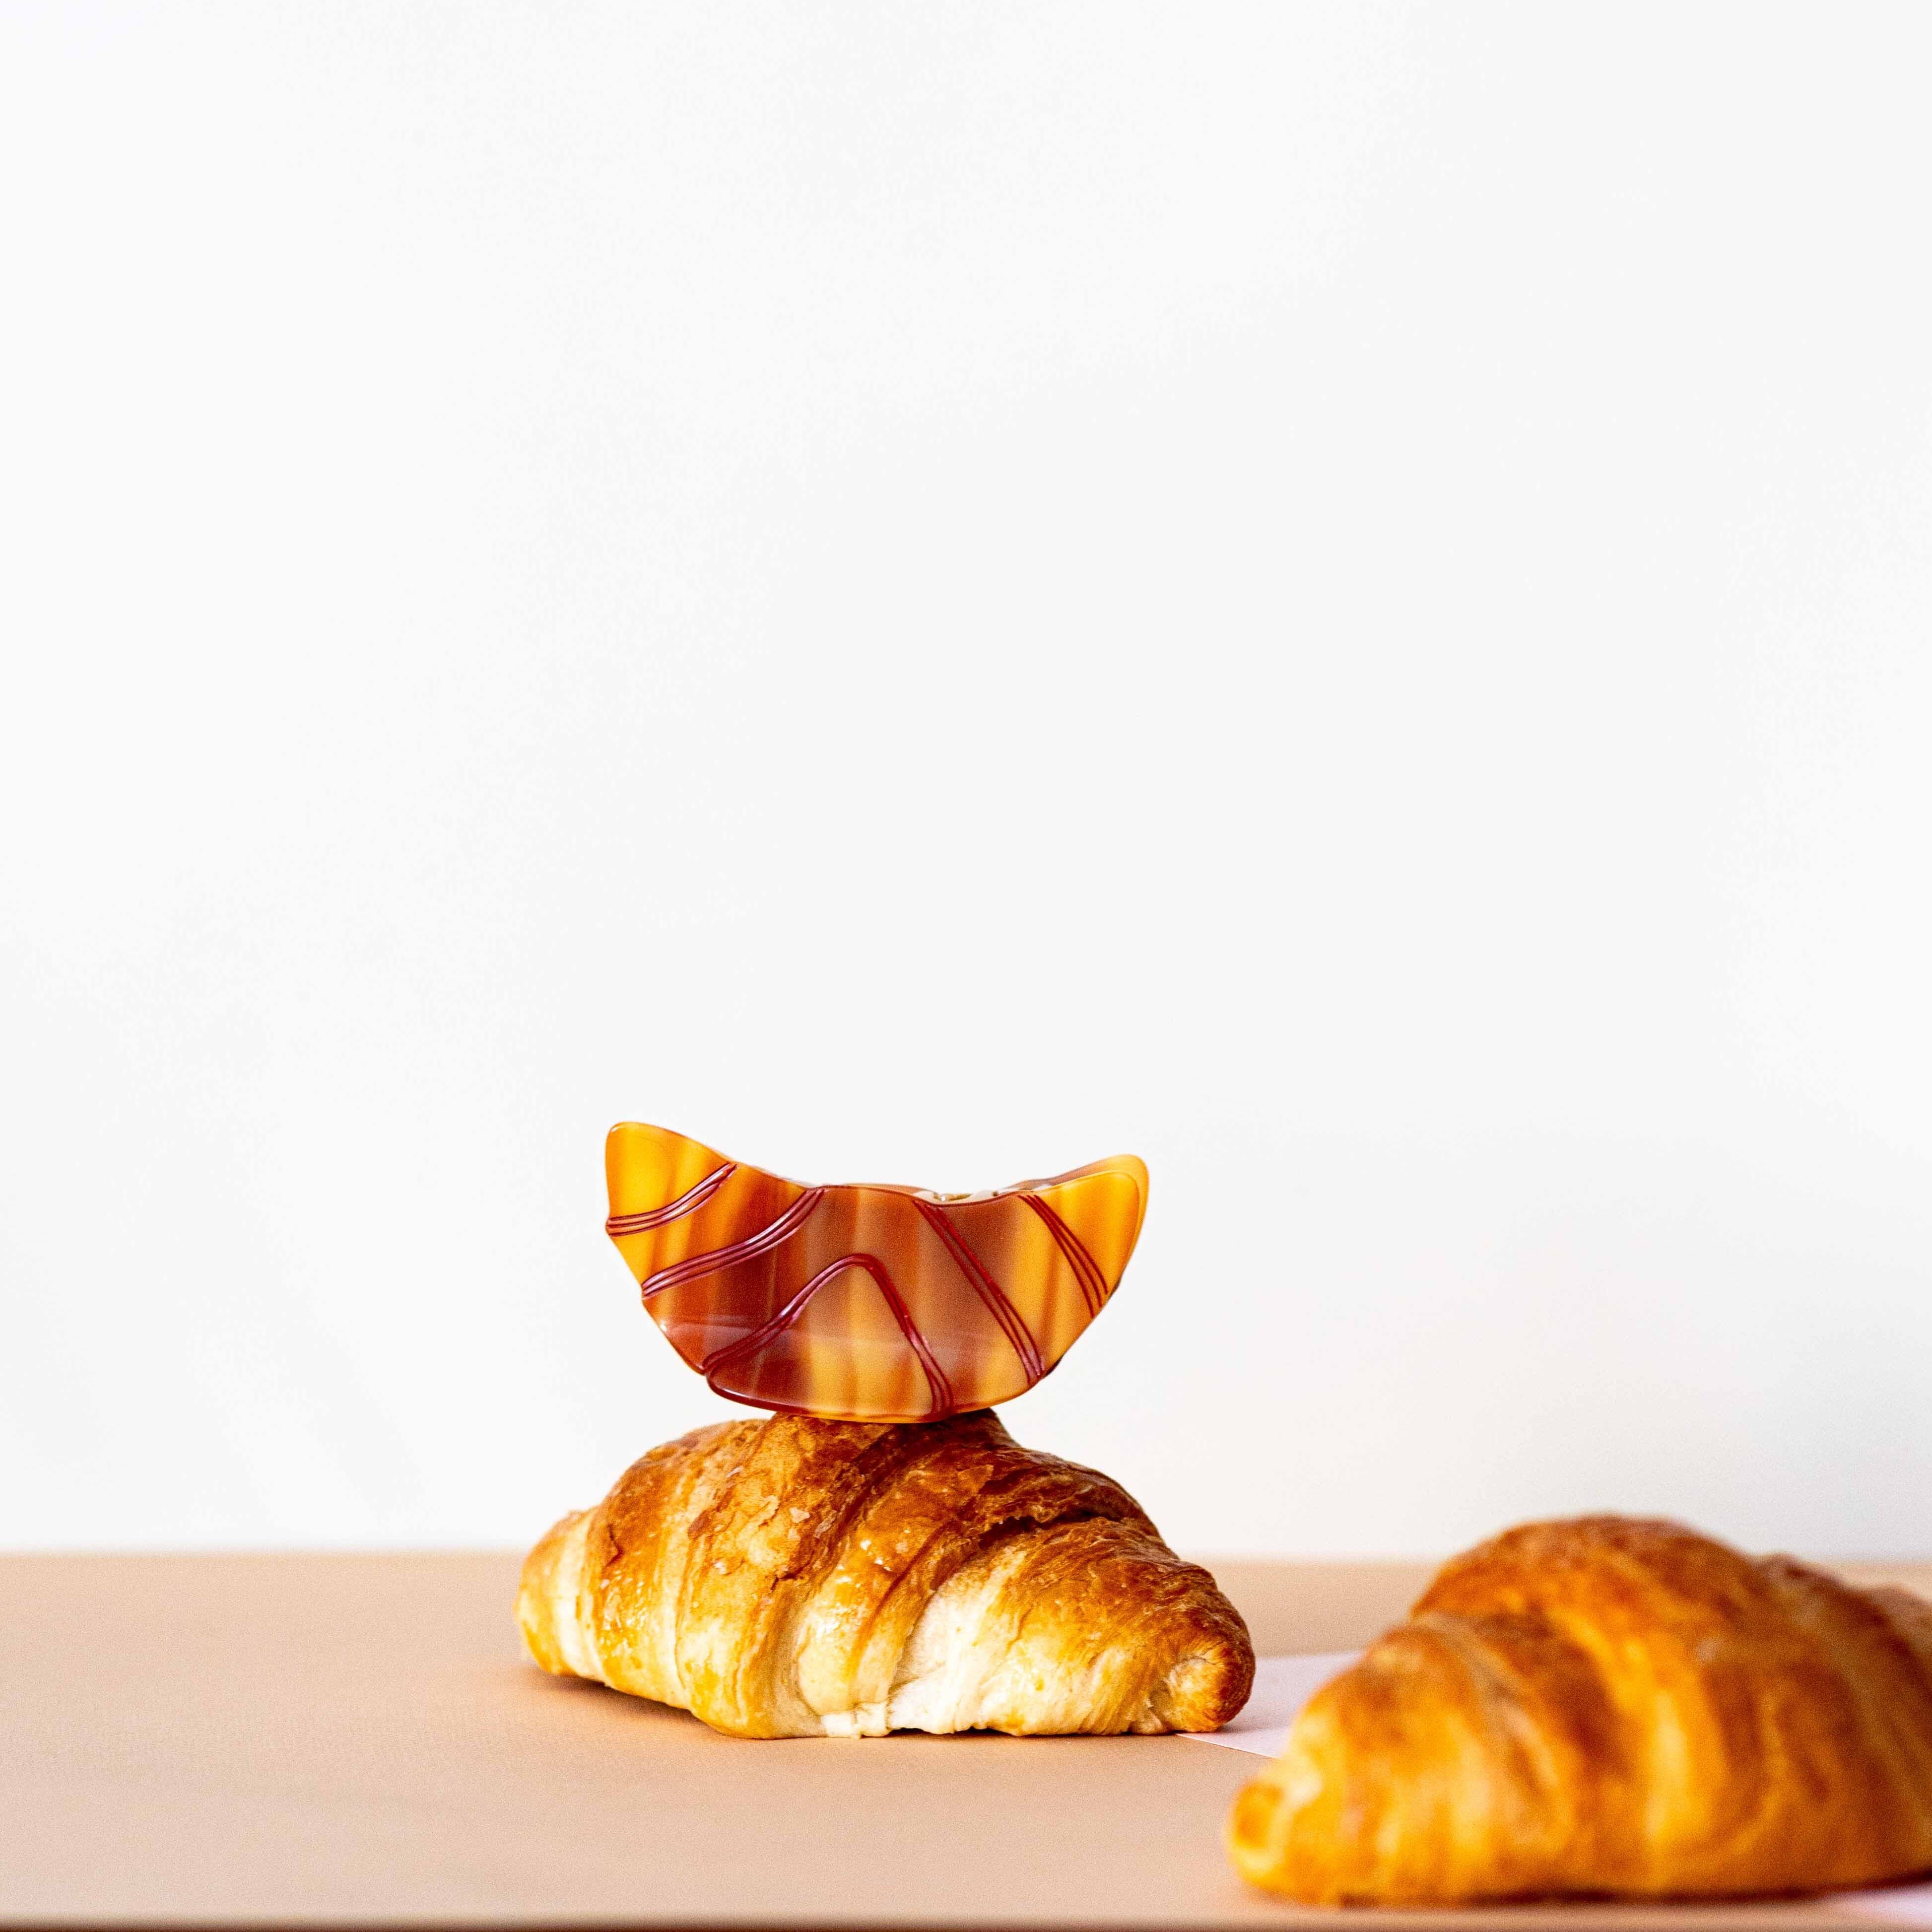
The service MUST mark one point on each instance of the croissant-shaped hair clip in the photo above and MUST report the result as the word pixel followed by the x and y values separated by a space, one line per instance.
pixel 865 1304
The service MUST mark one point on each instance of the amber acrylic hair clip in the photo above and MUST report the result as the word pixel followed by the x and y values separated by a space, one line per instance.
pixel 865 1304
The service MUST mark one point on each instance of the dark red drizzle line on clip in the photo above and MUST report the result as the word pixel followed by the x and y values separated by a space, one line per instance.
pixel 767 1237
pixel 1086 1270
pixel 768 1331
pixel 1012 1324
pixel 687 1203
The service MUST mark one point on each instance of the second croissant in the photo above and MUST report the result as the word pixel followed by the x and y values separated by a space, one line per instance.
pixel 1610 1706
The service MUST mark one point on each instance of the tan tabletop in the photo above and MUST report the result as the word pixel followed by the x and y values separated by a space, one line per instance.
pixel 338 1740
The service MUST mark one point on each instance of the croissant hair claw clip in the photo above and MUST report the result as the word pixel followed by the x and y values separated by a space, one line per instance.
pixel 865 1303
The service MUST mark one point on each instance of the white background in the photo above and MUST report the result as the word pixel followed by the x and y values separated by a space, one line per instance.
pixel 1335 596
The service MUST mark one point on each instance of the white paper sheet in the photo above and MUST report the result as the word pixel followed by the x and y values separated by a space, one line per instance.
pixel 1903 1905
pixel 1282 1685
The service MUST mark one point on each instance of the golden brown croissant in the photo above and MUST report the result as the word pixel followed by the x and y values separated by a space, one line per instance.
pixel 799 1578
pixel 1608 1705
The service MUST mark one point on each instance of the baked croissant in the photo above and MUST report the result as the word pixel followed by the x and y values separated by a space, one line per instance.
pixel 795 1577
pixel 1608 1705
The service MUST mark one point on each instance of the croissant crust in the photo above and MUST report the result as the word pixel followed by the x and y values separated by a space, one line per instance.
pixel 1610 1706
pixel 796 1577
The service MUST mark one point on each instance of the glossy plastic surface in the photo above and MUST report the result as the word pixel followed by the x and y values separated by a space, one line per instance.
pixel 865 1304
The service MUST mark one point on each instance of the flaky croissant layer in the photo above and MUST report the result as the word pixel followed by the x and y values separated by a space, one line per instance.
pixel 1610 1706
pixel 803 1578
